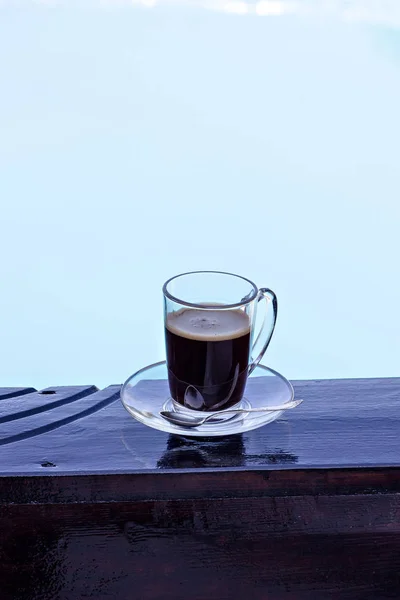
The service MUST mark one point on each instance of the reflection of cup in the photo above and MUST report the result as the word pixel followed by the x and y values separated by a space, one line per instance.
pixel 188 453
pixel 184 452
pixel 209 330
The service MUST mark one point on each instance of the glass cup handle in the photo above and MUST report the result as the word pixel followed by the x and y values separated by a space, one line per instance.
pixel 267 329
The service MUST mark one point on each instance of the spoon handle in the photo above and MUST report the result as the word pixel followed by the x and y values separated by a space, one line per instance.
pixel 285 406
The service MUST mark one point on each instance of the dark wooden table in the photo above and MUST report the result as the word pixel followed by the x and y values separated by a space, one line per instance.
pixel 95 505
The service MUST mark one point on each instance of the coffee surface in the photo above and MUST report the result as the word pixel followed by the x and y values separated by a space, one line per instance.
pixel 211 325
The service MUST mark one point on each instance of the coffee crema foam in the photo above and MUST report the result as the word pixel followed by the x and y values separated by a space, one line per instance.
pixel 208 325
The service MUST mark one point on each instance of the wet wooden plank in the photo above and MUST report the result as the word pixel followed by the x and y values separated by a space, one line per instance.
pixel 284 549
pixel 13 392
pixel 29 404
pixel 37 414
pixel 95 505
pixel 193 484
pixel 342 423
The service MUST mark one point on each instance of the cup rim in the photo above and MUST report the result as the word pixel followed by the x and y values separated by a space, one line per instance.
pixel 246 300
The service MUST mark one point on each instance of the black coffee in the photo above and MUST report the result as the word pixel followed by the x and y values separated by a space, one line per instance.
pixel 207 357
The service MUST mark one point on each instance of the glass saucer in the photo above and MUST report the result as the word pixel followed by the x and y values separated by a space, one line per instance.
pixel 146 393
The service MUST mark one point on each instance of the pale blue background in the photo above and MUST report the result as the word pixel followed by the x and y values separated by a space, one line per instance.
pixel 137 142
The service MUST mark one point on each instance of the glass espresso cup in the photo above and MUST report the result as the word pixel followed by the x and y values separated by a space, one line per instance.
pixel 210 340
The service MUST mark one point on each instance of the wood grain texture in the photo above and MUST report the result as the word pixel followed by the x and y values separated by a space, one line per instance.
pixel 95 505
pixel 284 548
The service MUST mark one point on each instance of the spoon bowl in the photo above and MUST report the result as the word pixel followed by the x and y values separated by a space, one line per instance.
pixel 186 420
